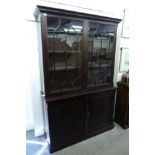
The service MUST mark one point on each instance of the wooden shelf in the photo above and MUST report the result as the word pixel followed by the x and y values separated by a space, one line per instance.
pixel 62 52
pixel 63 68
pixel 65 33
pixel 98 66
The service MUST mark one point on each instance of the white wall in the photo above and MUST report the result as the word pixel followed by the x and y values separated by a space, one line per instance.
pixel 29 111
pixel 34 76
pixel 109 8
pixel 121 43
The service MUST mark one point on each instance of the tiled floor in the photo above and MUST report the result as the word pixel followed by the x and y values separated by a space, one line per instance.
pixel 113 142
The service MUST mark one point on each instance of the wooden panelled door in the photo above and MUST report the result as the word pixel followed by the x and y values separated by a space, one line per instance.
pixel 100 111
pixel 67 121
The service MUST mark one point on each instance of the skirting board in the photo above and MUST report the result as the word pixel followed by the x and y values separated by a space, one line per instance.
pixel 29 125
pixel 39 132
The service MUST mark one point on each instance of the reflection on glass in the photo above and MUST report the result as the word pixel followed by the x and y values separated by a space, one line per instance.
pixel 100 47
pixel 64 47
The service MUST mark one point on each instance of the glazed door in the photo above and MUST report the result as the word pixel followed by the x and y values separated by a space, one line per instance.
pixel 101 46
pixel 100 111
pixel 64 54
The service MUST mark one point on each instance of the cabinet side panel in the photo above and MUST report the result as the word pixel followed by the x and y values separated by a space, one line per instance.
pixel 40 50
pixel 122 106
pixel 45 52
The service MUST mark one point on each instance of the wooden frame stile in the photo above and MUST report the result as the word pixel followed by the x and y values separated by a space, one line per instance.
pixel 45 52
pixel 84 53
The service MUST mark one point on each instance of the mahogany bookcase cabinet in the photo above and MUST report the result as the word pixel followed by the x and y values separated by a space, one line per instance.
pixel 77 65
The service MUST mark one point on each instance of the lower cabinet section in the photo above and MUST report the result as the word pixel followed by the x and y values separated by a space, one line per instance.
pixel 74 119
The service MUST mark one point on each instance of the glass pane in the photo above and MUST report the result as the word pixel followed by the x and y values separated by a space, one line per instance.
pixel 100 47
pixel 64 47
